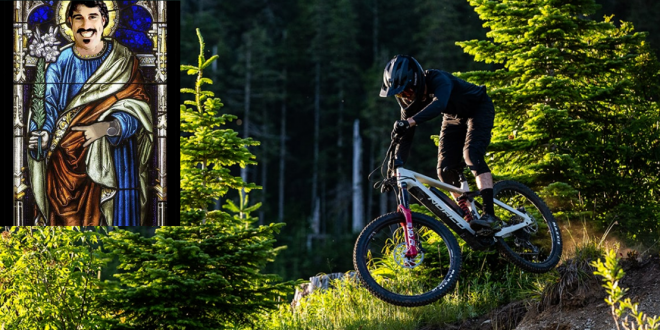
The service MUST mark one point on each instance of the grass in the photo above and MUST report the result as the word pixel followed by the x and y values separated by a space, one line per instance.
pixel 350 306
pixel 483 286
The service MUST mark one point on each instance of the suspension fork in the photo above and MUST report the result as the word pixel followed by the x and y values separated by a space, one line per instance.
pixel 404 208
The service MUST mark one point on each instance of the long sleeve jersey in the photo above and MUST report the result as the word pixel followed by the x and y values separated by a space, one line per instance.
pixel 445 93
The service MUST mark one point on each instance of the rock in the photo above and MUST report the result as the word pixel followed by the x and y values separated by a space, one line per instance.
pixel 320 282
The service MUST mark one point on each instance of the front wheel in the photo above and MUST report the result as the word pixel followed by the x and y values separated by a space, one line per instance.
pixel 381 260
pixel 536 248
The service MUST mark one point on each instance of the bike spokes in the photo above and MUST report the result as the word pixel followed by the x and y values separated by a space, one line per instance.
pixel 537 246
pixel 528 242
pixel 394 269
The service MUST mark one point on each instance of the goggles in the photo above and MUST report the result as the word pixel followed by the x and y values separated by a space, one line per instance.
pixel 407 93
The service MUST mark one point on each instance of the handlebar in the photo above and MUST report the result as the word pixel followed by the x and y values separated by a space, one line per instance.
pixel 387 174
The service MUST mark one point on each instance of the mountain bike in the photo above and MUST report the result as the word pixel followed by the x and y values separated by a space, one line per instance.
pixel 410 259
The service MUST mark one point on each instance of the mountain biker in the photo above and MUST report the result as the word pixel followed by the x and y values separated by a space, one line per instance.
pixel 468 120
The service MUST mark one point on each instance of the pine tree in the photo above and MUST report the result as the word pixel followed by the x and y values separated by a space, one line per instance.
pixel 441 24
pixel 202 277
pixel 343 104
pixel 208 151
pixel 568 110
pixel 206 276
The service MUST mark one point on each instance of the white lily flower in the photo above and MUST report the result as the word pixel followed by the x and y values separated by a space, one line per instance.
pixel 45 45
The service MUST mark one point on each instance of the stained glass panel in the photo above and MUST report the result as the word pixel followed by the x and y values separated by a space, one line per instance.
pixel 90 113
pixel 135 40
pixel 41 14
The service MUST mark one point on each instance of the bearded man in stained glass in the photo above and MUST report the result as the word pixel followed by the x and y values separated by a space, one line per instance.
pixel 98 134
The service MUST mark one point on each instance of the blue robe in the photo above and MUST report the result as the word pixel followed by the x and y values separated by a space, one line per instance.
pixel 64 79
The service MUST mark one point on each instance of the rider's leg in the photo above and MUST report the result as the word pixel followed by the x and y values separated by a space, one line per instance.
pixel 484 180
pixel 480 126
pixel 450 149
pixel 485 185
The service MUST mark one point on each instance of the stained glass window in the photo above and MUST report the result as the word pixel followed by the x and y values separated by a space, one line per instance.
pixel 89 125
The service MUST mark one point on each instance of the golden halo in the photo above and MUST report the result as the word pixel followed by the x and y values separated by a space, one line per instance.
pixel 65 30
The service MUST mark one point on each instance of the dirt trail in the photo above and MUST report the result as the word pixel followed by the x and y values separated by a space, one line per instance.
pixel 583 309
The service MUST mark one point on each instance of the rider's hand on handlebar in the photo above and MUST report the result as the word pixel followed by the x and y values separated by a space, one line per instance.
pixel 400 127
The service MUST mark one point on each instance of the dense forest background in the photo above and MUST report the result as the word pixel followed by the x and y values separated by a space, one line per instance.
pixel 301 75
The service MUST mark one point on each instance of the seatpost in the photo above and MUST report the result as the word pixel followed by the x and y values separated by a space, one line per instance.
pixel 464 184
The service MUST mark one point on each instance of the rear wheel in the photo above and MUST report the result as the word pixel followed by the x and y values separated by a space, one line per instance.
pixel 389 274
pixel 536 248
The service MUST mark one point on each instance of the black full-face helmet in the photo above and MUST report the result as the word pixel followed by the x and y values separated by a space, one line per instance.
pixel 403 77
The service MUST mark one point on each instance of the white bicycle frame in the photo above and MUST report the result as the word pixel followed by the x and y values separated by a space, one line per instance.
pixel 414 179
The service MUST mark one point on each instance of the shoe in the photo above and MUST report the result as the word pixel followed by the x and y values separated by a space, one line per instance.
pixel 487 225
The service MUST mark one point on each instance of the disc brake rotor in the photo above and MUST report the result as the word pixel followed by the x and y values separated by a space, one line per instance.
pixel 404 261
pixel 523 235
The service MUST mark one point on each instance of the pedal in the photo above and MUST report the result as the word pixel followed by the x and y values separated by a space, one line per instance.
pixel 485 232
pixel 486 241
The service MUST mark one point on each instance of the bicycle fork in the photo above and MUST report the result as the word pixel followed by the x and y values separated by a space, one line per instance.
pixel 404 208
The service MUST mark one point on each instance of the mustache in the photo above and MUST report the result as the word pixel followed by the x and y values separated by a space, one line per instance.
pixel 85 30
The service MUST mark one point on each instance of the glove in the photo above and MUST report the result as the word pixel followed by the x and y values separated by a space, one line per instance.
pixel 400 127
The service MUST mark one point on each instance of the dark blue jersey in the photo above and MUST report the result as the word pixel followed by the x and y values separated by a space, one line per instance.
pixel 445 93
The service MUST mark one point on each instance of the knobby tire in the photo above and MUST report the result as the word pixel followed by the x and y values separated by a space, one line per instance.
pixel 439 275
pixel 548 235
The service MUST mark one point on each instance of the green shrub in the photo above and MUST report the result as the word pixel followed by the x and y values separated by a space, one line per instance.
pixel 612 273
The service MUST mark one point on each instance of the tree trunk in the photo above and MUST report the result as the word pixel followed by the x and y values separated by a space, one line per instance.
pixel 383 196
pixel 214 65
pixel 264 163
pixel 341 198
pixel 322 219
pixel 383 203
pixel 248 81
pixel 280 201
pixel 375 31
pixel 340 122
pixel 370 193
pixel 316 215
pixel 358 206
pixel 315 171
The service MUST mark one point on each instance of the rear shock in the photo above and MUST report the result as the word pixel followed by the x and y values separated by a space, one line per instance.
pixel 463 204
pixel 462 201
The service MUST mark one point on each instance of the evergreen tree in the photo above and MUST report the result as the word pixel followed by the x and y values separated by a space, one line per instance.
pixel 343 107
pixel 570 113
pixel 441 24
pixel 208 151
pixel 202 277
pixel 206 276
